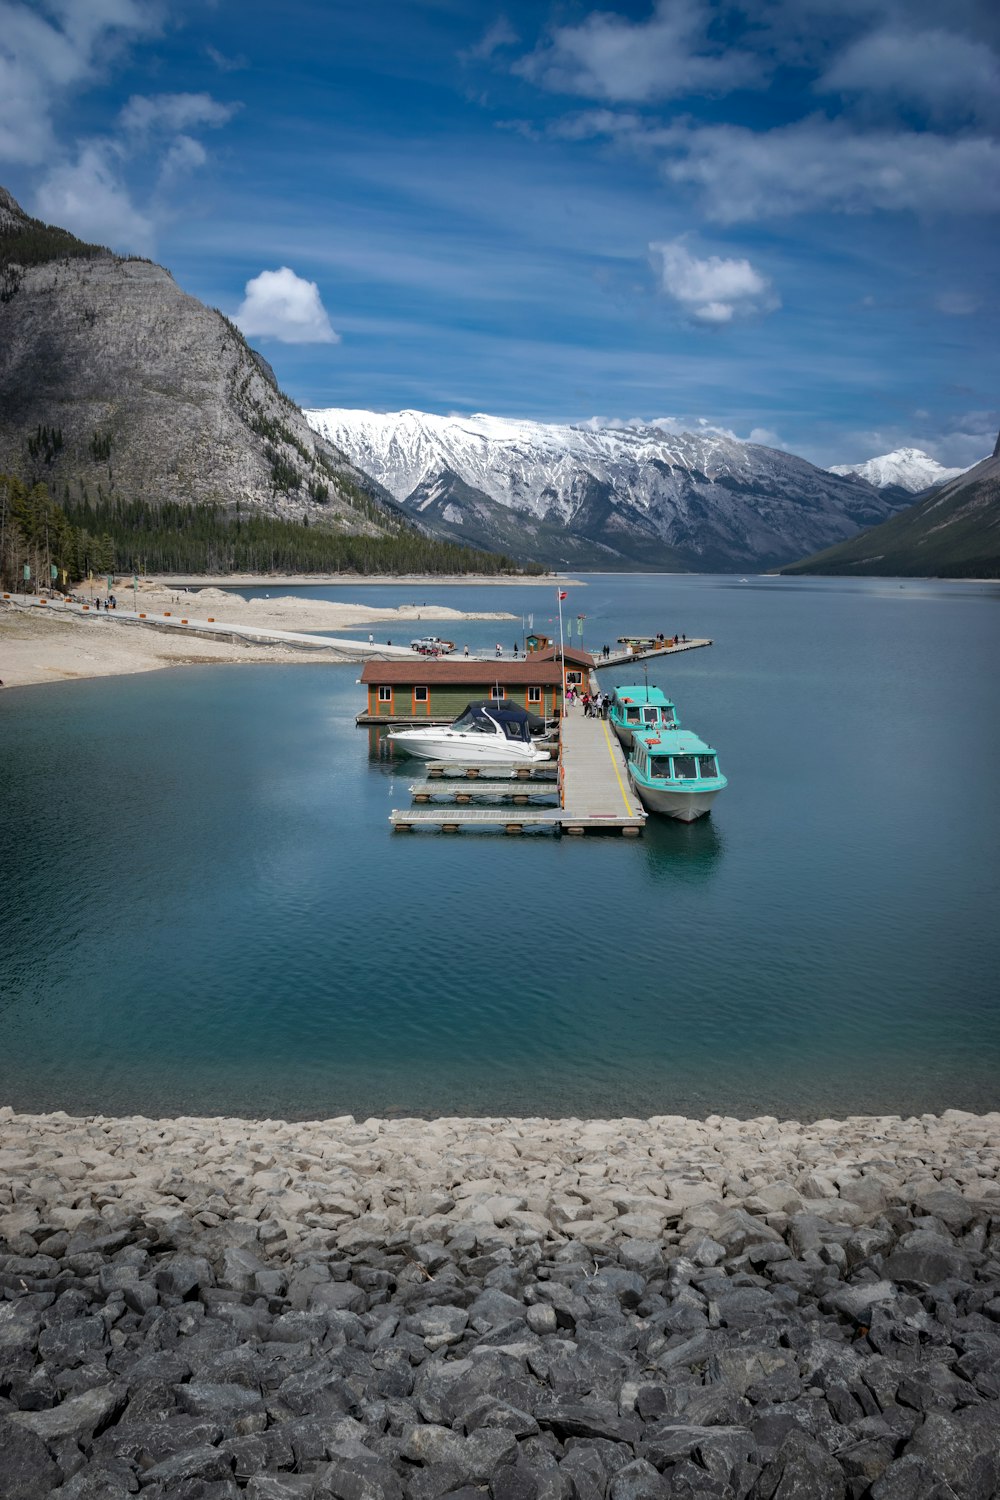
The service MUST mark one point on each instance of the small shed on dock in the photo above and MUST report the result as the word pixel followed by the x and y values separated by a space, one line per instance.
pixel 428 690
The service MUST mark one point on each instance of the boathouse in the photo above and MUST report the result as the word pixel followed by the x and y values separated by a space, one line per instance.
pixel 429 690
pixel 578 664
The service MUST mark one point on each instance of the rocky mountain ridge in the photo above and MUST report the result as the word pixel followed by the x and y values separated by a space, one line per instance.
pixel 637 496
pixel 116 384
pixel 954 532
pixel 909 469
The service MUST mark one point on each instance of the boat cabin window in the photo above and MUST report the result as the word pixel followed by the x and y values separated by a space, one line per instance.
pixel 649 715
pixel 514 731
pixel 709 765
pixel 659 766
pixel 669 717
pixel 632 716
pixel 686 767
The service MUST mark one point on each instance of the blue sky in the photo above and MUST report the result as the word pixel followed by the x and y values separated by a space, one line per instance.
pixel 779 217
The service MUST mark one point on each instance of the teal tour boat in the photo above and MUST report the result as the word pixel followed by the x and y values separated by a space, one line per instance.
pixel 674 773
pixel 633 708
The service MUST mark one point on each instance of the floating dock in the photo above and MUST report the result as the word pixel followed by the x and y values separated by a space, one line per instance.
pixel 618 658
pixel 593 789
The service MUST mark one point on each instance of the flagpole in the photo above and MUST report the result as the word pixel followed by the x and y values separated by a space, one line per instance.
pixel 562 654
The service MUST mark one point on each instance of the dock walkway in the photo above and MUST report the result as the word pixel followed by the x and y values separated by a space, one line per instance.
pixel 617 658
pixel 596 789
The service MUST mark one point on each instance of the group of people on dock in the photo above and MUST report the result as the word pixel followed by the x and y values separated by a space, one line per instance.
pixel 595 705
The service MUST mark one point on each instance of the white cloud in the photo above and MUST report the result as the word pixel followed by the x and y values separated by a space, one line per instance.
pixel 173 112
pixel 500 34
pixel 280 305
pixel 88 197
pixel 43 58
pixel 957 304
pixel 667 56
pixel 714 290
pixel 949 75
pixel 817 165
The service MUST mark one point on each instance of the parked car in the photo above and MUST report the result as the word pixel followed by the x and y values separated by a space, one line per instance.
pixel 432 645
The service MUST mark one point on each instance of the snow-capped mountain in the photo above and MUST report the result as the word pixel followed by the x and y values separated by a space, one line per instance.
pixel 909 469
pixel 637 496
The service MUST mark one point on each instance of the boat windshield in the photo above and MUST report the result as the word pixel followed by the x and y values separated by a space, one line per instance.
pixel 649 715
pixel 514 730
pixel 474 723
pixel 659 766
pixel 668 716
pixel 686 767
pixel 632 716
pixel 709 766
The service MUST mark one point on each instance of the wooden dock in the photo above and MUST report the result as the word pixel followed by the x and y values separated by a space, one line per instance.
pixel 455 771
pixel 462 789
pixel 593 789
pixel 617 658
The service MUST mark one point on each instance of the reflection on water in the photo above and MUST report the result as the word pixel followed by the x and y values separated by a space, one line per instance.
pixel 209 912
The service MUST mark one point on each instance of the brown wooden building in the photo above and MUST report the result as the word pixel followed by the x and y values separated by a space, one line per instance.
pixel 435 691
pixel 578 664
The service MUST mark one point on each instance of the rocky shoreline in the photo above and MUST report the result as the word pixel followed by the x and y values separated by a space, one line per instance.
pixel 524 1309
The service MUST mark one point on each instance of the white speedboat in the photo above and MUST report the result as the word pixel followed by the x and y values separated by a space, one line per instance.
pixel 482 734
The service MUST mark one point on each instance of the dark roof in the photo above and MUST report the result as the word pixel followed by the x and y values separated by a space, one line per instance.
pixel 573 654
pixel 535 672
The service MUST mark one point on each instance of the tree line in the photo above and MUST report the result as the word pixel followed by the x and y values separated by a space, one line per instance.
pixel 116 536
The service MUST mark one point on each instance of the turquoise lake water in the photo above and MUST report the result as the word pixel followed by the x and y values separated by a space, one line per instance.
pixel 204 910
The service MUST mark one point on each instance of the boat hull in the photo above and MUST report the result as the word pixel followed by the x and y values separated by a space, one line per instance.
pixel 686 807
pixel 624 735
pixel 463 749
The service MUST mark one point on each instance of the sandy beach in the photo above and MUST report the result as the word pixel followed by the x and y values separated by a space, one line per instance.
pixel 42 645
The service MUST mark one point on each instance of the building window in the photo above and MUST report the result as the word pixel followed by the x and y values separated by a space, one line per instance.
pixel 385 695
pixel 497 693
pixel 420 695
pixel 534 695
pixel 574 679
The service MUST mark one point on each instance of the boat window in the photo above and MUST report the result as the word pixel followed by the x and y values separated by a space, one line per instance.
pixel 659 766
pixel 686 767
pixel 708 765
pixel 474 723
pixel 632 716
pixel 649 715
pixel 669 717
pixel 514 731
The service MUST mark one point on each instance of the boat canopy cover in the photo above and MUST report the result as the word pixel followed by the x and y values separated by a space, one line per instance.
pixel 641 694
pixel 673 741
pixel 492 705
pixel 513 721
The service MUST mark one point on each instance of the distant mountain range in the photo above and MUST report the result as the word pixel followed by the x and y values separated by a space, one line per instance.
pixel 909 469
pixel 954 532
pixel 604 497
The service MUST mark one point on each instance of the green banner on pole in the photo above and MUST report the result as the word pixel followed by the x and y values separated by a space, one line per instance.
pixel 27 572
pixel 53 571
pixel 111 582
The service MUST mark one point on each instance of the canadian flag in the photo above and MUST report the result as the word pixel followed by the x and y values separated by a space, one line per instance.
pixel 563 595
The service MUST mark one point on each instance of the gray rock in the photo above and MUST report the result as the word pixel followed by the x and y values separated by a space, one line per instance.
pixel 80 1417
pixel 801 1468
pixel 359 1478
pixel 856 1301
pixel 514 1482
pixel 639 1480
pixel 202 1463
pixel 181 1275
pixel 962 1448
pixel 281 1487
pixel 587 1419
pixel 924 1259
pixel 27 1472
pixel 476 1456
